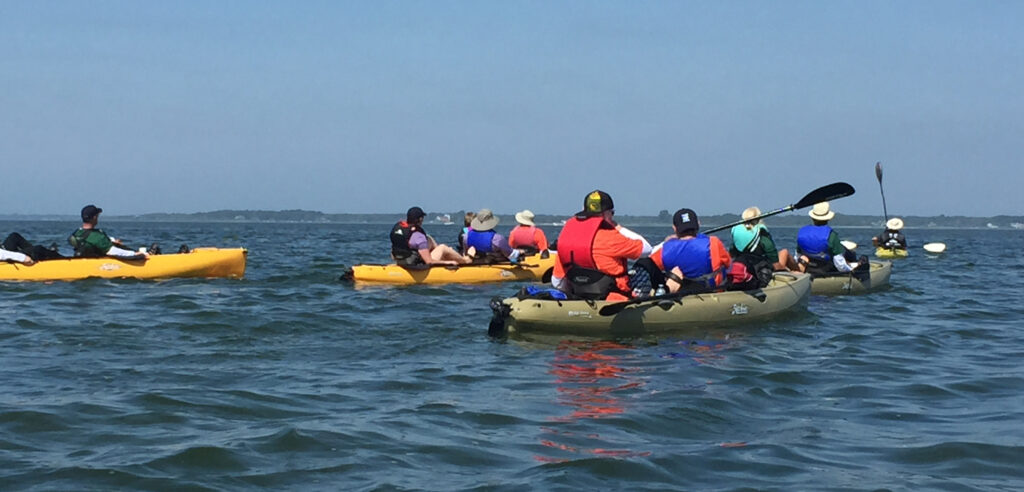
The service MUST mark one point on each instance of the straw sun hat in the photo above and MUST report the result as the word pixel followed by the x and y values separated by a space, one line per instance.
pixel 821 212
pixel 525 218
pixel 894 224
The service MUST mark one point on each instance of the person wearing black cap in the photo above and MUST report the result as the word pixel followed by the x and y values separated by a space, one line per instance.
pixel 410 244
pixel 699 259
pixel 593 252
pixel 91 242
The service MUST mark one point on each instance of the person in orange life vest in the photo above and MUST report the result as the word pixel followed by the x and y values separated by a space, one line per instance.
pixel 690 255
pixel 465 229
pixel 482 242
pixel 594 252
pixel 527 236
pixel 410 244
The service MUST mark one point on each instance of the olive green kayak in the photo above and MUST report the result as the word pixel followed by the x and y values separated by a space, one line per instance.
pixel 661 314
pixel 842 284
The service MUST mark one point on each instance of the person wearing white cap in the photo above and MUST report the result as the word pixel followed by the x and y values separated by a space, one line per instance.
pixel 527 236
pixel 891 237
pixel 482 242
pixel 819 247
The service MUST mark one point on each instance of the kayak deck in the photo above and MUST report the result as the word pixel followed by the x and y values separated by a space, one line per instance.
pixel 200 262
pixel 787 291
pixel 530 268
pixel 891 253
pixel 842 284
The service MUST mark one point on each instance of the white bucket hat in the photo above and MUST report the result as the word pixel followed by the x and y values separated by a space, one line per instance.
pixel 525 217
pixel 821 212
pixel 894 224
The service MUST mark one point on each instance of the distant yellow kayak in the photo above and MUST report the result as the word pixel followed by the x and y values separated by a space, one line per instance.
pixel 530 268
pixel 890 253
pixel 200 262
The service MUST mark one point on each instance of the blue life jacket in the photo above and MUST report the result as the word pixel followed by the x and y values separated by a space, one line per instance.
pixel 692 256
pixel 480 240
pixel 812 240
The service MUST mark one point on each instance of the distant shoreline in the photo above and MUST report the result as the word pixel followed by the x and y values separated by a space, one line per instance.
pixel 792 219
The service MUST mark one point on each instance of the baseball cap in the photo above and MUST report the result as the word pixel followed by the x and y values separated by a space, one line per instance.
pixel 414 213
pixel 90 211
pixel 596 202
pixel 685 220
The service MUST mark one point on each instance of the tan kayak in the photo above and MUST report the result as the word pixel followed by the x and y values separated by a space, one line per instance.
pixel 853 284
pixel 787 291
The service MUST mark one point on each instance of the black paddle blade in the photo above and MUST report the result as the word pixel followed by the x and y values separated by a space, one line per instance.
pixel 613 309
pixel 878 171
pixel 824 194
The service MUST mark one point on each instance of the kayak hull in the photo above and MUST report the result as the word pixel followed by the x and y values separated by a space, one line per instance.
pixel 890 253
pixel 878 278
pixel 787 291
pixel 200 262
pixel 531 268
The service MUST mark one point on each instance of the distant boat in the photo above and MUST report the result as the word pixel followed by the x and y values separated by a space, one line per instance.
pixel 991 226
pixel 1017 225
pixel 444 219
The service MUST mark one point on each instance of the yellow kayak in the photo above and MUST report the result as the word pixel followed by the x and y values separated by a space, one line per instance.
pixel 890 253
pixel 200 262
pixel 530 268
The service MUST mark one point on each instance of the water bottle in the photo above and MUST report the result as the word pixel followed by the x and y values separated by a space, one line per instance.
pixel 660 291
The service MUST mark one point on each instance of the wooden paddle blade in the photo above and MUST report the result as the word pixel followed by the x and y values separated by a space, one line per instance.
pixel 878 171
pixel 824 194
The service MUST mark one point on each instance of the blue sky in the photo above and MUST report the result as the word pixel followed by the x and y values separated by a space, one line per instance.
pixel 376 106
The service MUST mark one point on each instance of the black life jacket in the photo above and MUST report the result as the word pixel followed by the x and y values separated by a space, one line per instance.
pixel 892 239
pixel 400 235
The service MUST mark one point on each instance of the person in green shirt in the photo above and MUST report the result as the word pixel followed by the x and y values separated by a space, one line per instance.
pixel 91 242
pixel 752 237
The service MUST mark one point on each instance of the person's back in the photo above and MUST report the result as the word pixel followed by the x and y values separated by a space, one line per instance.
pixel 891 237
pixel 526 235
pixel 485 243
pixel 594 250
pixel 819 247
pixel 695 257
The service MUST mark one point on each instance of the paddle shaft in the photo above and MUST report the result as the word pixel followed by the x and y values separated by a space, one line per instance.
pixel 823 194
pixel 878 173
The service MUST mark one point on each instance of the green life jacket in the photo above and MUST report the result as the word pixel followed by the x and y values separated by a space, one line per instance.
pixel 79 240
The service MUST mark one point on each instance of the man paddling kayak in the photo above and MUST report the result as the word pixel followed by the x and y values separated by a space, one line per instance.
pixel 690 259
pixel 752 237
pixel 91 242
pixel 593 252
pixel 410 244
pixel 819 247
pixel 891 237
pixel 484 243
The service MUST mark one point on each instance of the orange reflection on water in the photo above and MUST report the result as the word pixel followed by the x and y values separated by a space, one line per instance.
pixel 587 379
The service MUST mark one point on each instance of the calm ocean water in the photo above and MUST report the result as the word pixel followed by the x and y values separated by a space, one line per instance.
pixel 291 380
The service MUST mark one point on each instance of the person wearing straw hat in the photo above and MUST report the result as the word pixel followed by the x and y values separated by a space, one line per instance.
pixel 526 235
pixel 819 247
pixel 484 243
pixel 891 237
pixel 752 237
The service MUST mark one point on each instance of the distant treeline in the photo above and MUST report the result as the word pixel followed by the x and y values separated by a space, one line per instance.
pixel 663 218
